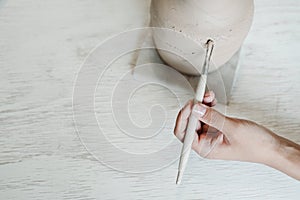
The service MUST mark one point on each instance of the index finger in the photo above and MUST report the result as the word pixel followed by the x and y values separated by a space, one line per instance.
pixel 182 117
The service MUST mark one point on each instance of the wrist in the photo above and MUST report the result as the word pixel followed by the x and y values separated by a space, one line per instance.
pixel 285 157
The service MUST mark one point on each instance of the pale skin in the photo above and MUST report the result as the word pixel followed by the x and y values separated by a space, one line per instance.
pixel 226 138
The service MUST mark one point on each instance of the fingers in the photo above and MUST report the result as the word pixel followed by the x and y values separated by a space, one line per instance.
pixel 183 115
pixel 210 98
pixel 213 118
pixel 182 120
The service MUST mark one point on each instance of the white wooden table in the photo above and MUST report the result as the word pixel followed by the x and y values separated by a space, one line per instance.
pixel 42 46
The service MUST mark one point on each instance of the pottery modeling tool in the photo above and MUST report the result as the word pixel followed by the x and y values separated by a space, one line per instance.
pixel 192 123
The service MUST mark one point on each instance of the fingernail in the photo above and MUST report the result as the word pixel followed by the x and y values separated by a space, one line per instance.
pixel 209 98
pixel 199 110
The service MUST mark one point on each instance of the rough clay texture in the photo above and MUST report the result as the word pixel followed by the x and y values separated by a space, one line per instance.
pixel 227 22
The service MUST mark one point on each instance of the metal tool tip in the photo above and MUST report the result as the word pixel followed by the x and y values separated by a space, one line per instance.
pixel 179 177
pixel 209 42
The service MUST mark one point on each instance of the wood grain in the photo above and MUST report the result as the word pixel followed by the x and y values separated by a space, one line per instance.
pixel 44 43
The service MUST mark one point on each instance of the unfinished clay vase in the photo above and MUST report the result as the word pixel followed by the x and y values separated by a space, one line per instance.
pixel 227 22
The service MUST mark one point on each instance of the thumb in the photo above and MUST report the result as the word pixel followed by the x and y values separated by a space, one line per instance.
pixel 213 118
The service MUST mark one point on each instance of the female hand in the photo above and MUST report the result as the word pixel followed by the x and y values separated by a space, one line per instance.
pixel 220 137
